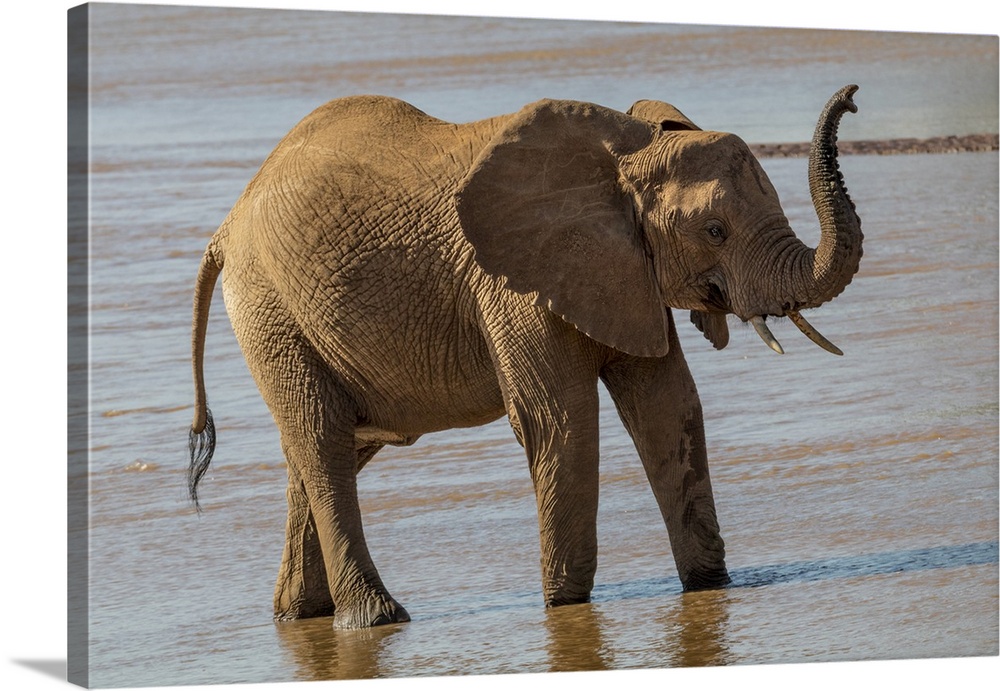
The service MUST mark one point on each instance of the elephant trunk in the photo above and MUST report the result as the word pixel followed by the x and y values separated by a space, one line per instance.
pixel 835 261
pixel 821 274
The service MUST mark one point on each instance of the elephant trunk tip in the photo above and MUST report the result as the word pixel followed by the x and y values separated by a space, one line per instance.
pixel 201 445
pixel 845 97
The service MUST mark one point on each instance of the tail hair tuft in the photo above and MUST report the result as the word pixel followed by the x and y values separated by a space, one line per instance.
pixel 201 446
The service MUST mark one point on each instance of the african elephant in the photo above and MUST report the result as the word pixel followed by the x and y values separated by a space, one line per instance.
pixel 388 274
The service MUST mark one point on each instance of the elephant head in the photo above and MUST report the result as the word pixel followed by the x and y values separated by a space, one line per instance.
pixel 610 217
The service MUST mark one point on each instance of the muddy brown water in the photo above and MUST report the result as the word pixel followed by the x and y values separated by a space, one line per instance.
pixel 857 495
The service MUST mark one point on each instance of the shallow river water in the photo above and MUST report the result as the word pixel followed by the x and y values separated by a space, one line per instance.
pixel 857 495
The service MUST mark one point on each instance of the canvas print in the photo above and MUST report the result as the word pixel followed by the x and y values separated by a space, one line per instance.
pixel 425 346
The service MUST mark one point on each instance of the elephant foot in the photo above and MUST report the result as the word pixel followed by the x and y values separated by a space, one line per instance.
pixel 562 601
pixel 707 580
pixel 566 596
pixel 302 610
pixel 370 612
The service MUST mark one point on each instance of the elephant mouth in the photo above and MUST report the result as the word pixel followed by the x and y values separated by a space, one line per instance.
pixel 714 298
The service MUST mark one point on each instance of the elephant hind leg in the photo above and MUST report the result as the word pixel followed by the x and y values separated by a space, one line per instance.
pixel 324 453
pixel 317 417
pixel 317 429
pixel 302 590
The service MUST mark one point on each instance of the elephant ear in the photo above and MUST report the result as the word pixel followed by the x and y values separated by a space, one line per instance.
pixel 545 208
pixel 713 326
pixel 662 114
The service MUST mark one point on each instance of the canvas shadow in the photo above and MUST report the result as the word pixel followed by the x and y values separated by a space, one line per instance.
pixel 50 668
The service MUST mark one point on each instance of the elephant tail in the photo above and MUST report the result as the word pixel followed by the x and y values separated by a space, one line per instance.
pixel 201 438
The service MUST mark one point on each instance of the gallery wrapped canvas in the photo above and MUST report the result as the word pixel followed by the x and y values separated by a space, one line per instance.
pixel 492 288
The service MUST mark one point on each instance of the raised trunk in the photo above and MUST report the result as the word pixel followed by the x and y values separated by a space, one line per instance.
pixel 835 261
pixel 814 276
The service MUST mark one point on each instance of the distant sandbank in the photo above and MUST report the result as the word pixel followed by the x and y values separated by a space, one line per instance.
pixel 883 147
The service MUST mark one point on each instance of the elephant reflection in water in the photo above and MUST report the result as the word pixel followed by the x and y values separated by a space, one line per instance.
pixel 388 275
pixel 687 632
pixel 698 635
pixel 320 652
pixel 690 631
pixel 577 640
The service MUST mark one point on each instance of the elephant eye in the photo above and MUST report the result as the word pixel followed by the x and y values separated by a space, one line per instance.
pixel 716 233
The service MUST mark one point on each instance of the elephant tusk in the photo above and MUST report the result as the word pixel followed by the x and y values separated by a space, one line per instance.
pixel 812 334
pixel 765 334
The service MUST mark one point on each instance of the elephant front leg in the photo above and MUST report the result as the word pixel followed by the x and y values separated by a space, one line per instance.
pixel 564 471
pixel 680 481
pixel 553 406
pixel 659 404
